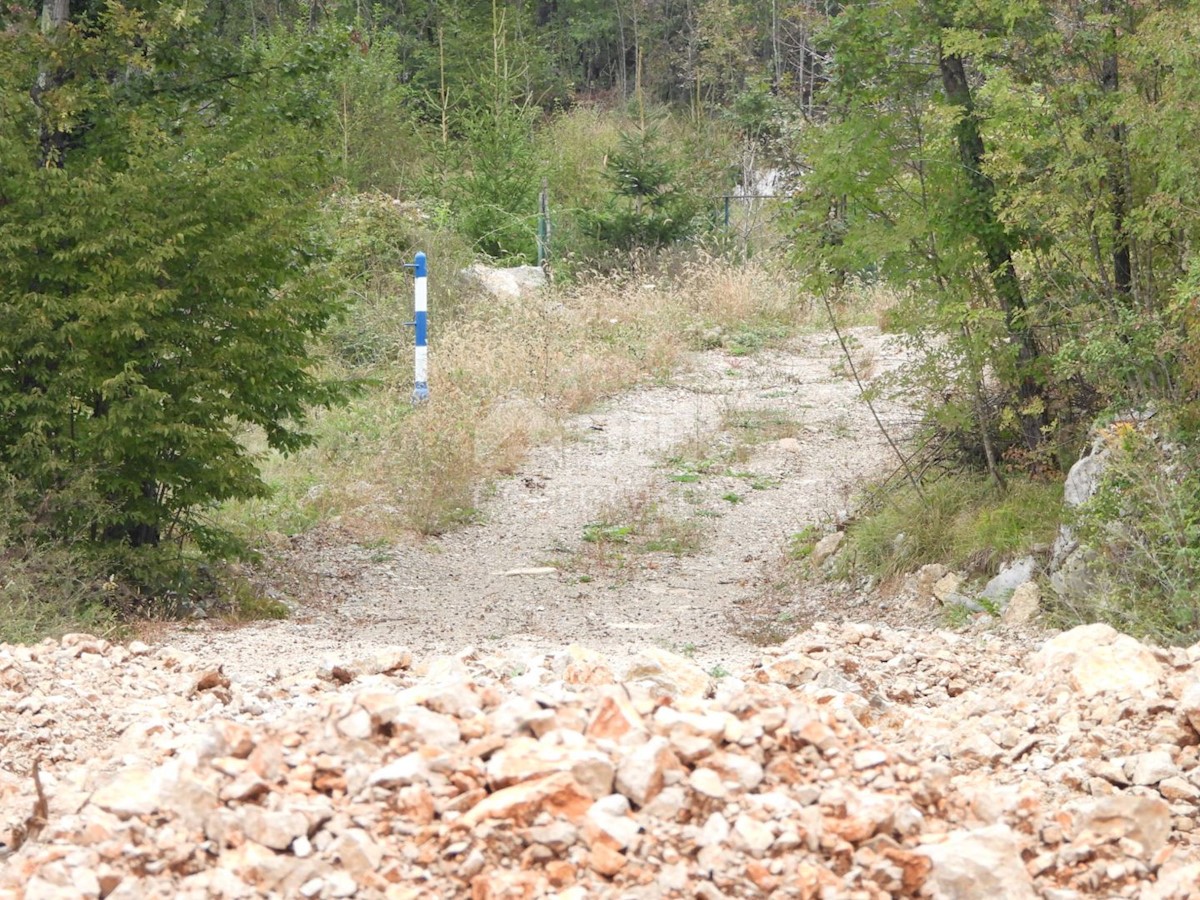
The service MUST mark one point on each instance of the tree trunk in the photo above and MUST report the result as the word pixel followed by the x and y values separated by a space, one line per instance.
pixel 53 141
pixel 997 246
pixel 1119 184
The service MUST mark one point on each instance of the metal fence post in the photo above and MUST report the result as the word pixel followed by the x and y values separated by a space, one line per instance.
pixel 421 329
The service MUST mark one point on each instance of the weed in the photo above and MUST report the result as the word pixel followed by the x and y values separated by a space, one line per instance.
pixel 957 615
pixel 1143 529
pixel 250 603
pixel 990 606
pixel 865 365
pixel 751 338
pixel 766 631
pixel 719 671
pixel 688 650
pixel 841 429
pixel 757 426
pixel 732 497
pixel 48 592
pixel 603 533
pixel 760 482
pixel 802 543
pixel 639 523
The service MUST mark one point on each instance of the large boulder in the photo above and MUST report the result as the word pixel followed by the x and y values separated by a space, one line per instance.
pixel 982 864
pixel 1070 564
pixel 510 283
pixel 1097 658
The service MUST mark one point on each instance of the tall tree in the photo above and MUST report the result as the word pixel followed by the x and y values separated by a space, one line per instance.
pixel 158 265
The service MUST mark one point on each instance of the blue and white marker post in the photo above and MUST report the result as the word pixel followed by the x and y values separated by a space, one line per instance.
pixel 420 329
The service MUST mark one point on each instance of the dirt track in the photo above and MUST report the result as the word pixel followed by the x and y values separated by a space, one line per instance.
pixel 812 443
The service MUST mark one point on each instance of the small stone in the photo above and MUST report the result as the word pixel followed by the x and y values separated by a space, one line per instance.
pixel 642 772
pixel 341 884
pixel 1151 768
pixel 1178 789
pixel 558 794
pixel 1143 820
pixel 793 670
pixel 412 768
pixel 1024 604
pixel 1189 702
pixel 715 831
pixel 976 745
pixel 605 860
pixel 946 587
pixel 708 782
pixel 868 759
pixel 134 792
pixel 669 673
pixel 276 830
pixel 752 835
pixel 615 717
pixel 356 725
pixel 827 547
pixel 609 818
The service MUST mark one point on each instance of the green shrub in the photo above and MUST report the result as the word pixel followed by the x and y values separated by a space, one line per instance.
pixel 964 522
pixel 1143 524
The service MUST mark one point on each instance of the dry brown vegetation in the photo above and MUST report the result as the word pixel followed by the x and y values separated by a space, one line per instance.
pixel 504 376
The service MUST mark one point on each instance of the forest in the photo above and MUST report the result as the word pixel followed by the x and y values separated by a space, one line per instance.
pixel 205 208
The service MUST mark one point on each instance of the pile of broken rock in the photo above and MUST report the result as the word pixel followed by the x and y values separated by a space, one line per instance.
pixel 851 762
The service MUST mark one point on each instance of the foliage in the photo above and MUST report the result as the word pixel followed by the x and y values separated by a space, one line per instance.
pixel 376 137
pixel 964 522
pixel 49 588
pixel 493 184
pixel 159 256
pixel 1013 171
pixel 1143 525
pixel 649 207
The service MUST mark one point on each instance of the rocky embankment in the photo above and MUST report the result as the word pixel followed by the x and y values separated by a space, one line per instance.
pixel 850 762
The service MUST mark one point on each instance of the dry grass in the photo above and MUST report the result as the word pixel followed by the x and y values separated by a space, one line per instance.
pixel 504 376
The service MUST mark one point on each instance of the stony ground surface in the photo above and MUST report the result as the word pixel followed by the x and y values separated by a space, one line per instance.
pixel 851 761
pixel 435 727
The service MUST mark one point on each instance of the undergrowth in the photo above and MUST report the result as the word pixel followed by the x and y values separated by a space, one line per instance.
pixel 964 522
pixel 504 376
pixel 637 523
pixel 1143 530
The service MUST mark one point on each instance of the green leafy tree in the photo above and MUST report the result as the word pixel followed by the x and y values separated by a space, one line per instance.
pixel 159 260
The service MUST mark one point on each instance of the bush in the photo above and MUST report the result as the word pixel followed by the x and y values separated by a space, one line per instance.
pixel 964 522
pixel 1143 524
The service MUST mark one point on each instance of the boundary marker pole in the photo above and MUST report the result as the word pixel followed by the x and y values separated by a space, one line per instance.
pixel 420 329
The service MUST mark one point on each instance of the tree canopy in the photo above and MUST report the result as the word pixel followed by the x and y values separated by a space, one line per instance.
pixel 159 251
